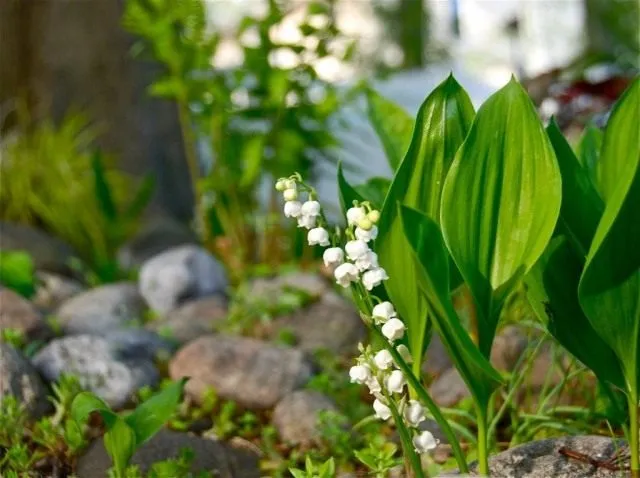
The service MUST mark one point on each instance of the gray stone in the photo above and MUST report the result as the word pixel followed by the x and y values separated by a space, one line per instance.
pixel 179 274
pixel 48 253
pixel 211 456
pixel 18 313
pixel 268 289
pixel 134 343
pixel 111 372
pixel 21 380
pixel 332 323
pixel 296 417
pixel 437 360
pixel 253 373
pixel 157 235
pixel 192 320
pixel 542 459
pixel 449 388
pixel 53 289
pixel 99 310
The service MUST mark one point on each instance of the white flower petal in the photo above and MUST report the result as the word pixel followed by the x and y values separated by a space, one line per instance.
pixel 382 411
pixel 395 382
pixel 311 208
pixel 292 208
pixel 333 257
pixel 393 329
pixel 345 274
pixel 318 237
pixel 356 249
pixel 383 312
pixel 355 214
pixel 424 442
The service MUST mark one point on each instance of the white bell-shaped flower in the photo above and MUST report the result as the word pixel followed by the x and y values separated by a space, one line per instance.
pixel 366 236
pixel 290 194
pixel 374 385
pixel 292 208
pixel 414 413
pixel 360 374
pixel 424 442
pixel 356 249
pixel 383 312
pixel 393 329
pixel 345 274
pixel 374 277
pixel 318 236
pixel 368 261
pixel 382 411
pixel 383 359
pixel 395 382
pixel 355 214
pixel 311 208
pixel 333 257
pixel 308 222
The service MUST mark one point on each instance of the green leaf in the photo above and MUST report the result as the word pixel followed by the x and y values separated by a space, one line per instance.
pixel 441 126
pixel 500 202
pixel 588 150
pixel 621 140
pixel 374 191
pixel 610 285
pixel 102 188
pixel 560 268
pixel 252 157
pixel 84 404
pixel 581 207
pixel 348 194
pixel 141 199
pixel 120 443
pixel 17 272
pixel 432 259
pixel 149 417
pixel 392 124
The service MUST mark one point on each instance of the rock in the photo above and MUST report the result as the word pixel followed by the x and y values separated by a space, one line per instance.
pixel 219 459
pixel 331 324
pixel 437 360
pixel 253 373
pixel 542 459
pixel 448 389
pixel 157 235
pixel 192 320
pixel 99 310
pixel 139 344
pixel 296 417
pixel 269 289
pixel 179 274
pixel 21 380
pixel 112 372
pixel 48 253
pixel 18 313
pixel 53 289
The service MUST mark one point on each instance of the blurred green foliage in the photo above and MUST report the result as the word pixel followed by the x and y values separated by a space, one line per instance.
pixel 258 121
pixel 53 178
pixel 17 272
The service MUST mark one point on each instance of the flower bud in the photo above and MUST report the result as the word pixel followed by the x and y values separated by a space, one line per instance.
pixel 373 216
pixel 424 442
pixel 383 359
pixel 383 312
pixel 290 194
pixel 359 374
pixel 395 382
pixel 414 413
pixel 281 185
pixel 290 183
pixel 393 329
pixel 382 411
pixel 365 224
pixel 404 352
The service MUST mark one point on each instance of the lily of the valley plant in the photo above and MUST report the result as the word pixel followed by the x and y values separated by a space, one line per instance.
pixel 486 201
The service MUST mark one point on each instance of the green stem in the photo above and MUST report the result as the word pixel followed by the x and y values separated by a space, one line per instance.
pixel 405 438
pixel 634 434
pixel 428 402
pixel 483 450
pixel 189 150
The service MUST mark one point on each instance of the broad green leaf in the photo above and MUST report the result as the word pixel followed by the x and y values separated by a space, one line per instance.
pixel 84 404
pixel 610 285
pixel 621 140
pixel 120 443
pixel 348 193
pixel 392 124
pixel 149 417
pixel 374 191
pixel 432 260
pixel 500 202
pixel 589 148
pixel 560 269
pixel 581 207
pixel 441 126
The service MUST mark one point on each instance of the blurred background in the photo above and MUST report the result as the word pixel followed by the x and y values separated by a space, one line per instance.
pixel 131 126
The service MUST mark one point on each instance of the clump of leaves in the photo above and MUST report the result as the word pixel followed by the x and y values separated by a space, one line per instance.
pixel 17 272
pixel 313 470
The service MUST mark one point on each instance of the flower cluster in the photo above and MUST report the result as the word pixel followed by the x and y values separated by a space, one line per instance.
pixel 357 264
